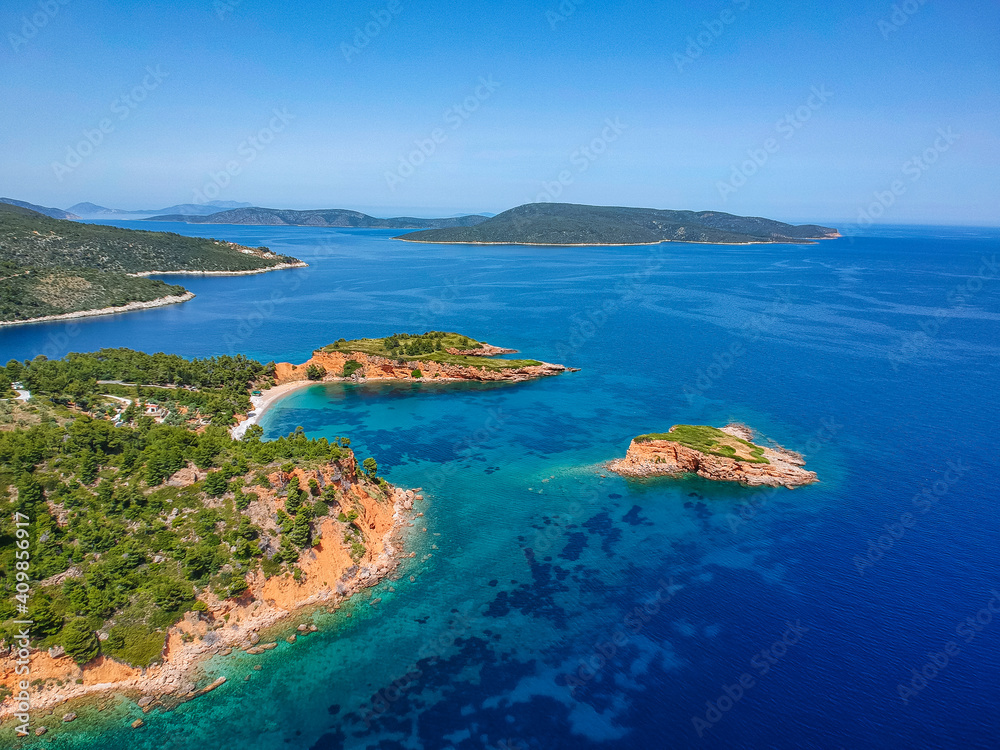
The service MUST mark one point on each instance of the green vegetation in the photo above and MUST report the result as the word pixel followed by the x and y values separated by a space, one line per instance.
pixel 350 367
pixel 427 347
pixel 710 440
pixel 27 293
pixel 416 374
pixel 215 387
pixel 315 372
pixel 569 224
pixel 51 266
pixel 324 217
pixel 116 549
pixel 134 644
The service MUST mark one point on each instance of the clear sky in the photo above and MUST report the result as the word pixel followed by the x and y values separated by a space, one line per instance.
pixel 791 110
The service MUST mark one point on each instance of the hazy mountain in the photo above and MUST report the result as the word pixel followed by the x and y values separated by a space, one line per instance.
pixel 55 213
pixel 93 211
pixel 570 224
pixel 332 217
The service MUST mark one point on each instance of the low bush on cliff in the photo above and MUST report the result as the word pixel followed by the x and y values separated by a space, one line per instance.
pixel 135 645
pixel 710 440
pixel 428 347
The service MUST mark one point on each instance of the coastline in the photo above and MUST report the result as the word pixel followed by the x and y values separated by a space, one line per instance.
pixel 251 272
pixel 130 307
pixel 252 623
pixel 377 369
pixel 265 401
pixel 792 241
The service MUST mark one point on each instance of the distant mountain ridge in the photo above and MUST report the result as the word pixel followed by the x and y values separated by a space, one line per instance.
pixel 572 224
pixel 55 213
pixel 93 211
pixel 326 217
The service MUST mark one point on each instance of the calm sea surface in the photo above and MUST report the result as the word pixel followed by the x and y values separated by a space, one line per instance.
pixel 554 607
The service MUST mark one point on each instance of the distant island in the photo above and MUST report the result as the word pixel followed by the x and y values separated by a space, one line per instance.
pixel 571 224
pixel 54 213
pixel 726 455
pixel 93 211
pixel 52 268
pixel 326 217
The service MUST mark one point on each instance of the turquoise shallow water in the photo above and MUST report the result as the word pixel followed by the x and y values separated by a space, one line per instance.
pixel 876 356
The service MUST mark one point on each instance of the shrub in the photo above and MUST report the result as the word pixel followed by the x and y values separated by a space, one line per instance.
pixel 135 644
pixel 350 367
pixel 80 641
pixel 315 372
pixel 416 374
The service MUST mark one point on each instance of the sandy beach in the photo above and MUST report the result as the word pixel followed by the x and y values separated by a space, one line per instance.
pixel 265 401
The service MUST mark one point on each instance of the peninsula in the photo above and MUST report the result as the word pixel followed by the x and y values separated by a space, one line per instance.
pixel 156 539
pixel 436 356
pixel 169 531
pixel 571 224
pixel 54 268
pixel 726 455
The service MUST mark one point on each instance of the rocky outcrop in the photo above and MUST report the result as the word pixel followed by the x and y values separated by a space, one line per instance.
pixel 374 367
pixel 668 458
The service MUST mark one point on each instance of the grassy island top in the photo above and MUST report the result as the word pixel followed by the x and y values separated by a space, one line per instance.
pixel 432 347
pixel 710 440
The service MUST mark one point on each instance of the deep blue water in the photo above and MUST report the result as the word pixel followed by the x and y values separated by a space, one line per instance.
pixel 877 356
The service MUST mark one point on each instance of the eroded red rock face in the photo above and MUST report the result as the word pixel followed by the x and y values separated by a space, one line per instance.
pixel 667 458
pixel 374 367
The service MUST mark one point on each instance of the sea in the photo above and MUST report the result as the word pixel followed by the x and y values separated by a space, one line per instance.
pixel 551 604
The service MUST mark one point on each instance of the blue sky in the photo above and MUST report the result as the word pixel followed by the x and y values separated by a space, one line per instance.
pixel 774 109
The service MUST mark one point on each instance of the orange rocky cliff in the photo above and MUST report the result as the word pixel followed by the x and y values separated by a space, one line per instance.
pixel 668 458
pixel 329 574
pixel 374 367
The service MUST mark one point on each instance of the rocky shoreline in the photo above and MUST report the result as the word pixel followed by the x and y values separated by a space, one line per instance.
pixel 377 367
pixel 252 623
pixel 160 302
pixel 251 272
pixel 656 458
